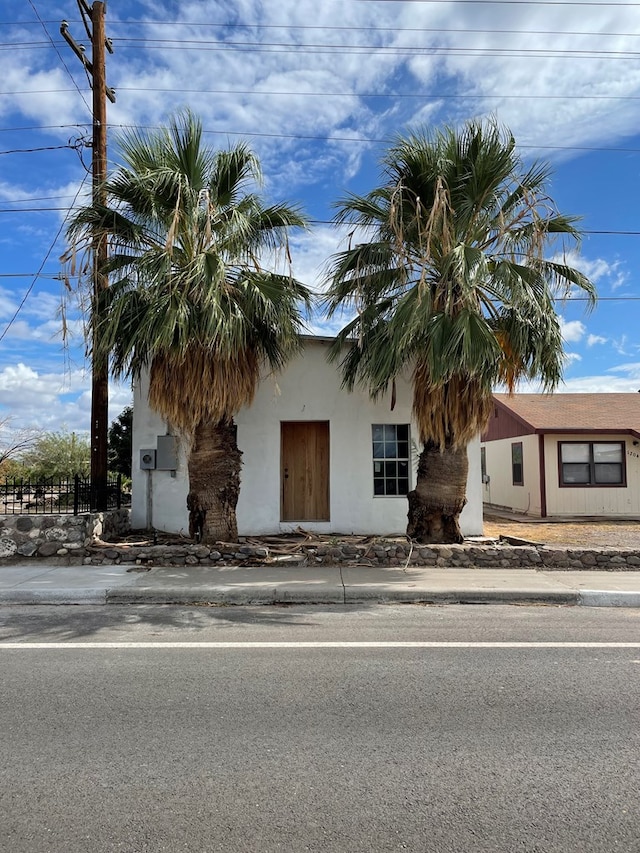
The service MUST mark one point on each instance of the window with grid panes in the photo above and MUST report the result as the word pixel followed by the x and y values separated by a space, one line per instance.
pixel 591 463
pixel 390 459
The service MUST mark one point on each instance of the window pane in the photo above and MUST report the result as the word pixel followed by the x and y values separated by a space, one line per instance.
pixel 609 472
pixel 575 473
pixel 378 470
pixel 390 469
pixel 574 452
pixel 378 486
pixel 390 449
pixel 403 450
pixel 517 474
pixel 607 453
pixel 403 486
pixel 391 487
pixel 403 432
pixel 390 432
pixel 377 430
pixel 378 450
pixel 403 469
pixel 516 454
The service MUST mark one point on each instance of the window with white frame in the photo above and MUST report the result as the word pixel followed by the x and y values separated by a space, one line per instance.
pixel 390 459
pixel 592 463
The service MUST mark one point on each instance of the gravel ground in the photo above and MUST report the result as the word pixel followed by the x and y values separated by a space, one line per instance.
pixel 614 534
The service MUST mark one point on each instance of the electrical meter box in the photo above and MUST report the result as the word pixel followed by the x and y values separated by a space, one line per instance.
pixel 147 460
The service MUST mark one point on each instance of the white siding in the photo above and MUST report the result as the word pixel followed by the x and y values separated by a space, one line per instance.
pixel 309 389
pixel 613 501
pixel 500 490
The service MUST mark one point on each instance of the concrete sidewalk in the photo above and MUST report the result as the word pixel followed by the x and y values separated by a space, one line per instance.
pixel 38 583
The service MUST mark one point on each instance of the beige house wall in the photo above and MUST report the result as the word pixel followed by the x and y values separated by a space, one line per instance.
pixel 613 501
pixel 499 490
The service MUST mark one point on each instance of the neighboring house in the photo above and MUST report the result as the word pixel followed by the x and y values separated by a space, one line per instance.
pixel 563 455
pixel 314 456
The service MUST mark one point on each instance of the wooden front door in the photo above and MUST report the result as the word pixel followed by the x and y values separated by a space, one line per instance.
pixel 304 455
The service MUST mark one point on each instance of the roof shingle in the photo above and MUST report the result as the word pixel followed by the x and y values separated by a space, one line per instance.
pixel 575 411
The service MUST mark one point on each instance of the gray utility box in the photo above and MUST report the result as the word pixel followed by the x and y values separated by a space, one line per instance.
pixel 167 453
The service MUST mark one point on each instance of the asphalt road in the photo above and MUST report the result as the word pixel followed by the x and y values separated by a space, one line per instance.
pixel 215 745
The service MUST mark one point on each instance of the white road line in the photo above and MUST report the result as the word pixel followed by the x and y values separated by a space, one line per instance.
pixel 376 644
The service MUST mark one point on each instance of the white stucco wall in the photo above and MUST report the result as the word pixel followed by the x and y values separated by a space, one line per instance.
pixel 612 501
pixel 500 490
pixel 309 389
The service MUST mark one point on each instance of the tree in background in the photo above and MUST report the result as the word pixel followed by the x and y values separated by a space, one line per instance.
pixel 59 456
pixel 193 298
pixel 13 444
pixel 119 439
pixel 453 284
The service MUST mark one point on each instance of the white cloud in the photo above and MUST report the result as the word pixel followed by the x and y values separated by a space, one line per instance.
pixel 598 270
pixel 53 400
pixel 572 330
pixel 592 340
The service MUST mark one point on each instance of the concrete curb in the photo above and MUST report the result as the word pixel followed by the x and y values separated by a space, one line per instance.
pixel 373 595
pixel 611 598
pixel 266 595
pixel 53 596
pixel 223 596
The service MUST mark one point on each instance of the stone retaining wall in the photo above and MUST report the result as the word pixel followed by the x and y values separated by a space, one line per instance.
pixel 382 553
pixel 81 539
pixel 58 536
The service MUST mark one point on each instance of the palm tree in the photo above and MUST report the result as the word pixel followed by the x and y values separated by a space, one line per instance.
pixel 452 284
pixel 190 299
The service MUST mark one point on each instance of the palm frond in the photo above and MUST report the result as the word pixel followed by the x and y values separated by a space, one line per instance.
pixel 192 296
pixel 453 280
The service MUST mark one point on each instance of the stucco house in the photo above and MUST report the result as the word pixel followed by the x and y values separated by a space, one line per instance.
pixel 314 456
pixel 552 455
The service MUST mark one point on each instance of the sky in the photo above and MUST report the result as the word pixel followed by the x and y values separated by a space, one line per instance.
pixel 318 90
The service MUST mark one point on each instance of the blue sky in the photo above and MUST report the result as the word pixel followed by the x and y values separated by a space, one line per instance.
pixel 316 89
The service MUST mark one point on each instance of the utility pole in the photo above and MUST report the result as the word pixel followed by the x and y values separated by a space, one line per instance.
pixel 93 19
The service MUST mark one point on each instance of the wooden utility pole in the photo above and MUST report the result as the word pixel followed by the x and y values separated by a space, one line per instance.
pixel 93 19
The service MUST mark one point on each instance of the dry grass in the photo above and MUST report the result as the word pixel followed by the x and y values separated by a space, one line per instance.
pixel 588 533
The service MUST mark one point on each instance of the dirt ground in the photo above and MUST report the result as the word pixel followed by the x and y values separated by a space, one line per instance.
pixel 590 532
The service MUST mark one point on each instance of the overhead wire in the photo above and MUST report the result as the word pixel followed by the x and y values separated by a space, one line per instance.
pixel 46 258
pixel 66 68
pixel 458 96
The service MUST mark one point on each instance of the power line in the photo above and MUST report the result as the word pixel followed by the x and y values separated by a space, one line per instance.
pixel 73 146
pixel 203 25
pixel 379 95
pixel 357 49
pixel 358 139
pixel 511 2
pixel 53 44
pixel 53 276
pixel 44 126
pixel 428 50
pixel 609 232
pixel 46 258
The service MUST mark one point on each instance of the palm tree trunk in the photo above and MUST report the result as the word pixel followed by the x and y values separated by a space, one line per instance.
pixel 214 483
pixel 439 496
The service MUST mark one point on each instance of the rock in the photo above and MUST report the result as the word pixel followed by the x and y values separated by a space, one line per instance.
pixel 57 533
pixel 48 549
pixel 7 548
